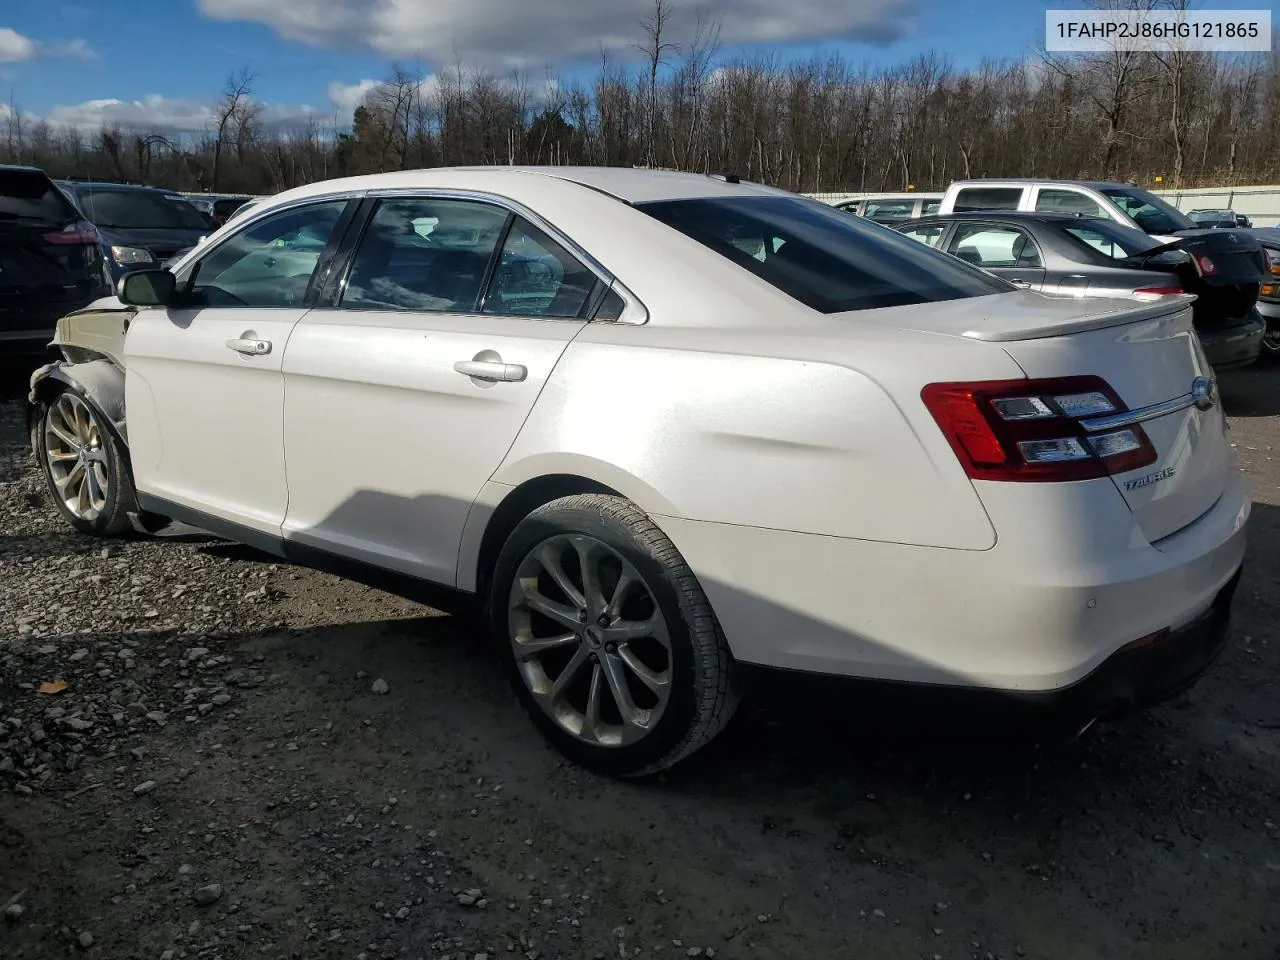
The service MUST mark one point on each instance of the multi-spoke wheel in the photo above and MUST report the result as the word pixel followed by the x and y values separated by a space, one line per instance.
pixel 85 469
pixel 609 639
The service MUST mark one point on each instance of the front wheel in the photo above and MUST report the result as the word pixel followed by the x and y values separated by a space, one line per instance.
pixel 607 637
pixel 85 466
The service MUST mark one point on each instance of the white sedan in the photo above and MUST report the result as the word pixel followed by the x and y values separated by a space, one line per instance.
pixel 665 425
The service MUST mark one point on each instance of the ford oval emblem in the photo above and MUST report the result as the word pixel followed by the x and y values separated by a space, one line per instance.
pixel 1204 392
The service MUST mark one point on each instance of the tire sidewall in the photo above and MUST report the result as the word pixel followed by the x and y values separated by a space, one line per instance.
pixel 107 521
pixel 555 520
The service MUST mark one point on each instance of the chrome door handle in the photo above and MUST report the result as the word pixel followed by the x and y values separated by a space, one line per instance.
pixel 1021 283
pixel 491 370
pixel 253 348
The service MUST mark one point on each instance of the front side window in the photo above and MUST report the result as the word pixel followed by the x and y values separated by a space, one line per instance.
pixel 270 263
pixel 138 210
pixel 971 199
pixel 986 245
pixel 821 257
pixel 536 277
pixel 424 255
pixel 929 234
pixel 1149 212
pixel 1068 201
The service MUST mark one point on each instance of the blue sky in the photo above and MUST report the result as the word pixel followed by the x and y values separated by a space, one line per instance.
pixel 163 61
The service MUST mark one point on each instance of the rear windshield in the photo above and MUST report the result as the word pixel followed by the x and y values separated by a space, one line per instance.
pixel 139 209
pixel 1109 238
pixel 31 195
pixel 1148 211
pixel 821 256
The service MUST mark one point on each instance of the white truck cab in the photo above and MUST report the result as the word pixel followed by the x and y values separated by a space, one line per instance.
pixel 1122 202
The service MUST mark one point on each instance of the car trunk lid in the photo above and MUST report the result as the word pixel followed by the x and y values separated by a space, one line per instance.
pixel 1223 268
pixel 1155 364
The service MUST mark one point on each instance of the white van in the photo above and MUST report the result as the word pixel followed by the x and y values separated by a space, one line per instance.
pixel 1121 202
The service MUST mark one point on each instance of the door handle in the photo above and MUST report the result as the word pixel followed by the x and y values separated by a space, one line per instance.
pixel 250 347
pixel 1021 283
pixel 491 370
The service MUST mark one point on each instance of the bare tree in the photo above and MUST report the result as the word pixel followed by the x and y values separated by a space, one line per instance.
pixel 236 97
pixel 656 49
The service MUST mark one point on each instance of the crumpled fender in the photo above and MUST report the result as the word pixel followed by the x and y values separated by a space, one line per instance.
pixel 100 381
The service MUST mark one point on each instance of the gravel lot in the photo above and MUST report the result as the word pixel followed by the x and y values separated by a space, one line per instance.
pixel 221 778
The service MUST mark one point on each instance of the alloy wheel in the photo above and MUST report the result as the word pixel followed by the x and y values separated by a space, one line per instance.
pixel 77 457
pixel 590 640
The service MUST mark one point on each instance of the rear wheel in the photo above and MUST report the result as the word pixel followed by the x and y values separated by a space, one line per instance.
pixel 85 466
pixel 607 637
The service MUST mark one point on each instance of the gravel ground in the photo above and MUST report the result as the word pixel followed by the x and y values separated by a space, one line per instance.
pixel 253 760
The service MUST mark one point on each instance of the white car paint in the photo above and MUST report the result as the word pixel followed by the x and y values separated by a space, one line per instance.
pixel 787 453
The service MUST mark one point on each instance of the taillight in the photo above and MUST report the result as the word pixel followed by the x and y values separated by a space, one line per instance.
pixel 1033 430
pixel 1158 291
pixel 78 234
pixel 1204 266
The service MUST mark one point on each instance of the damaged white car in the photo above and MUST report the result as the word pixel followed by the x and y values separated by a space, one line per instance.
pixel 664 426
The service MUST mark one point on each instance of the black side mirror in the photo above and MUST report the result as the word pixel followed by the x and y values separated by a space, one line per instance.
pixel 147 288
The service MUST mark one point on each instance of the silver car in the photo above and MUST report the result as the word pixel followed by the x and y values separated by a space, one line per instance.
pixel 1063 254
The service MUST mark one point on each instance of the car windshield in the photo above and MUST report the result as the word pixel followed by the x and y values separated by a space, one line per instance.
pixel 1148 211
pixel 821 256
pixel 139 210
pixel 1109 238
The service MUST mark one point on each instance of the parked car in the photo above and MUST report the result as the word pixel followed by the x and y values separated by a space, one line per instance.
pixel 218 208
pixel 530 385
pixel 1269 291
pixel 1214 219
pixel 893 207
pixel 140 226
pixel 1243 221
pixel 1069 255
pixel 49 260
pixel 1124 203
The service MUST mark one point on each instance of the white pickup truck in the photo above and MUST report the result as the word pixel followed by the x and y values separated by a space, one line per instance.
pixel 1121 202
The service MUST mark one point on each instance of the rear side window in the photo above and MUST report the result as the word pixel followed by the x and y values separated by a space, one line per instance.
pixel 888 211
pixel 1149 212
pixel 823 258
pixel 1068 201
pixel 987 198
pixel 536 277
pixel 1109 239
pixel 929 234
pixel 31 195
pixel 988 245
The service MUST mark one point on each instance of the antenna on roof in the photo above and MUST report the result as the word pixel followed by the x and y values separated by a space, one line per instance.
pixel 726 177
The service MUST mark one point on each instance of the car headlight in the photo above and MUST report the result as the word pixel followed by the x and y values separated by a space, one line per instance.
pixel 131 255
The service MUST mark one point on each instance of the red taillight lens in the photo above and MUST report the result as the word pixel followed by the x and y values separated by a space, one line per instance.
pixel 78 234
pixel 1204 266
pixel 1033 429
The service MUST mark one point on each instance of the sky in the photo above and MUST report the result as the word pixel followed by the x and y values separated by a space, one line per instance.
pixel 161 63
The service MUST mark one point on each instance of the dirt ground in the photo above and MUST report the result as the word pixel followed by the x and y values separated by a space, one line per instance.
pixel 219 779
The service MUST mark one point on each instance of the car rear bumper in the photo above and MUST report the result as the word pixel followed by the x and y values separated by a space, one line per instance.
pixel 1234 346
pixel 1039 612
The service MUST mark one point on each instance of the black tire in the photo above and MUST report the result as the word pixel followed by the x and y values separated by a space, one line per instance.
pixel 704 690
pixel 119 496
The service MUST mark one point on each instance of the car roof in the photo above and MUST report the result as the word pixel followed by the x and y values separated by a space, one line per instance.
pixel 138 187
pixel 628 184
pixel 1025 181
pixel 1045 216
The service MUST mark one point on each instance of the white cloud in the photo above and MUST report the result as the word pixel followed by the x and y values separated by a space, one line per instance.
pixel 14 47
pixel 346 97
pixel 510 32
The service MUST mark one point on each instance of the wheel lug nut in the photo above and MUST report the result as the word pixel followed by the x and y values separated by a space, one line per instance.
pixel 611 648
pixel 603 620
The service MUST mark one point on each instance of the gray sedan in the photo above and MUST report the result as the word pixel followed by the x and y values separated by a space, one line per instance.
pixel 1070 255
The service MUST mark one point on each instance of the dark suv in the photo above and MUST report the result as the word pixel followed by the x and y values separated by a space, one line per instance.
pixel 50 260
pixel 141 226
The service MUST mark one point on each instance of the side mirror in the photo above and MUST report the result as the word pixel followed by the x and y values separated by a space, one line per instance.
pixel 147 288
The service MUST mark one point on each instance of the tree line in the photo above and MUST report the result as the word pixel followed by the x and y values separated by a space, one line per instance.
pixel 816 125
